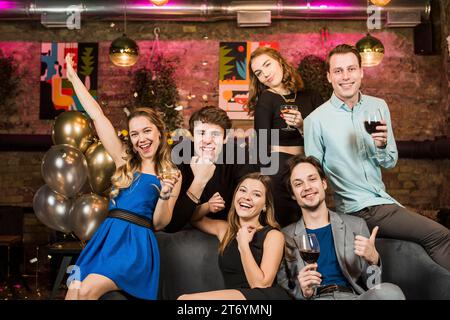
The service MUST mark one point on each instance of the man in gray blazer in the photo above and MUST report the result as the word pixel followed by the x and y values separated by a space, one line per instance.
pixel 349 265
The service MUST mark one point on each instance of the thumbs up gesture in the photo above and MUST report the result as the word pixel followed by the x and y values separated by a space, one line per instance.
pixel 365 248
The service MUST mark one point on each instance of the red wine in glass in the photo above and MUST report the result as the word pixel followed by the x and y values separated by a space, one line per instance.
pixel 310 256
pixel 309 248
pixel 372 119
pixel 371 126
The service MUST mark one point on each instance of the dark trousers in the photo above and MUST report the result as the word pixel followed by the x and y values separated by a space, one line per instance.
pixel 398 223
pixel 287 210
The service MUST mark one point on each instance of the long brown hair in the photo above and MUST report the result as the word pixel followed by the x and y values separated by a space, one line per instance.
pixel 266 217
pixel 124 175
pixel 291 78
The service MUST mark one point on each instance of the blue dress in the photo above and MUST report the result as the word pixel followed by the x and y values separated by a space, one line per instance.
pixel 122 251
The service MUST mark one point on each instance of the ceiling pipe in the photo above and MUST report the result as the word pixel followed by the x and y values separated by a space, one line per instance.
pixel 205 10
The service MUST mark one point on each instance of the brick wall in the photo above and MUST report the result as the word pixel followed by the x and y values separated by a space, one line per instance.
pixel 415 88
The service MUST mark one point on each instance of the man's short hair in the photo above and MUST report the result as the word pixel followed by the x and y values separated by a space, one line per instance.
pixel 212 115
pixel 296 160
pixel 343 49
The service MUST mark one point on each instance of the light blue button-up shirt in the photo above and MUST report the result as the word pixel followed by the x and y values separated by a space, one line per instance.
pixel 335 135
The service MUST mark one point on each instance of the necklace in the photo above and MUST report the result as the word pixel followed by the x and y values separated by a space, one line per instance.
pixel 289 100
pixel 286 99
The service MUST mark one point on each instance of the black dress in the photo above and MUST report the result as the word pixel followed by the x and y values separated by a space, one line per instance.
pixel 233 272
pixel 267 116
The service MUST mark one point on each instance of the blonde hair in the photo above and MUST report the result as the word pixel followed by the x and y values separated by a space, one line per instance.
pixel 124 175
pixel 291 78
pixel 266 217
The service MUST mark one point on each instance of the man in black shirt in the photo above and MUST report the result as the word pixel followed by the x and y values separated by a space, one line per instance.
pixel 209 175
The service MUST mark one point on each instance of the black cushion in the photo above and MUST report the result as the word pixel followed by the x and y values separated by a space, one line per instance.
pixel 189 263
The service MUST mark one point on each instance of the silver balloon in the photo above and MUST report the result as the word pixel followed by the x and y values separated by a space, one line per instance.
pixel 86 215
pixel 74 128
pixel 52 209
pixel 64 169
pixel 101 167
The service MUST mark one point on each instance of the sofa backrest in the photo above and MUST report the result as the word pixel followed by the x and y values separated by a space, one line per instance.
pixel 189 263
pixel 407 265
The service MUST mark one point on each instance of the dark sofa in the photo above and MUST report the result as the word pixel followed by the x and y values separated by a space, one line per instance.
pixel 189 264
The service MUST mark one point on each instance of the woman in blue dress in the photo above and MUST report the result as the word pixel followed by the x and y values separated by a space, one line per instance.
pixel 123 253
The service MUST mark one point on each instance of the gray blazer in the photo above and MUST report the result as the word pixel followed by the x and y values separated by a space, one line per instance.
pixel 345 227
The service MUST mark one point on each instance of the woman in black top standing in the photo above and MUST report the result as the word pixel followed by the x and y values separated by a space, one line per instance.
pixel 274 83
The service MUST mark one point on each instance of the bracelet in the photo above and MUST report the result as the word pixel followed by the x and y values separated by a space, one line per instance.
pixel 192 197
pixel 165 196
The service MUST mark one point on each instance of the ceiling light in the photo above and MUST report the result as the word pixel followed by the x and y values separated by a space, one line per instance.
pixel 124 52
pixel 159 2
pixel 380 3
pixel 371 50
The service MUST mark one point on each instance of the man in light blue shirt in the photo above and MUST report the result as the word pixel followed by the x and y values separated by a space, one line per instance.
pixel 337 135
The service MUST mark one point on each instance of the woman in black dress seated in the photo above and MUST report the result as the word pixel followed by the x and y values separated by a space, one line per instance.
pixel 251 245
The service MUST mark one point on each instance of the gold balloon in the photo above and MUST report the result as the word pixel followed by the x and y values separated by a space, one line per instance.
pixel 87 214
pixel 52 209
pixel 64 169
pixel 73 128
pixel 101 167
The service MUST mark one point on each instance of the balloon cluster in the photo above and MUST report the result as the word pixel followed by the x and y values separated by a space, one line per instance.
pixel 77 171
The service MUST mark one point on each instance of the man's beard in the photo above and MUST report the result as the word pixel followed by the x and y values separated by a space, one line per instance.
pixel 312 207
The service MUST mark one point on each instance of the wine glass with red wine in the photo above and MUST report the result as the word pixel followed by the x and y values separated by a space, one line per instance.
pixel 309 248
pixel 372 119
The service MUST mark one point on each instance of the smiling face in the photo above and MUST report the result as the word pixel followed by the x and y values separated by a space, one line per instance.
pixel 208 140
pixel 268 71
pixel 345 76
pixel 144 136
pixel 307 186
pixel 250 198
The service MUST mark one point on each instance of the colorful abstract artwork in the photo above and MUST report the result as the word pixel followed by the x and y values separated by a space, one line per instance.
pixel 57 93
pixel 234 76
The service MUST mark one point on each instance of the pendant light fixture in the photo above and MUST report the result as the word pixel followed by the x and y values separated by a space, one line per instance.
pixel 371 49
pixel 124 52
pixel 159 2
pixel 380 3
